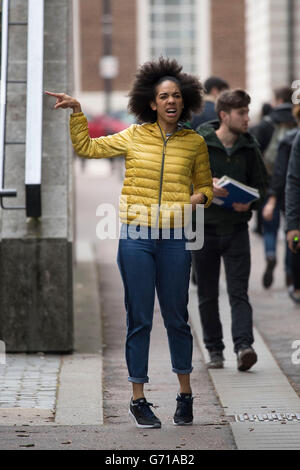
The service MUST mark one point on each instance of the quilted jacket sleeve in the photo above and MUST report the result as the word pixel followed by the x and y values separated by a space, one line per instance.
pixel 101 147
pixel 202 179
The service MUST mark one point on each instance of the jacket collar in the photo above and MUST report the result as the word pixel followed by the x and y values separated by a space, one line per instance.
pixel 155 128
pixel 208 131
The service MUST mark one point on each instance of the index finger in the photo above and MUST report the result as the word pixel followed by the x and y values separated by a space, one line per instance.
pixel 54 94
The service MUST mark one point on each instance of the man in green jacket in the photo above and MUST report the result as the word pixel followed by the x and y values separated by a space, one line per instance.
pixel 235 153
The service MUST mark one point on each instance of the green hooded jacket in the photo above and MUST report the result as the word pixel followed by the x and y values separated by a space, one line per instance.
pixel 244 163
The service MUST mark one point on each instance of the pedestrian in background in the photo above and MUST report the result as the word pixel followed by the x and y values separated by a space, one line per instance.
pixel 268 133
pixel 235 153
pixel 276 197
pixel 163 160
pixel 213 86
pixel 292 209
pixel 255 131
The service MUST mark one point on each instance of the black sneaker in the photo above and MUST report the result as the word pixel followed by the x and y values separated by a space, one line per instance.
pixel 246 358
pixel 142 414
pixel 268 274
pixel 184 412
pixel 216 360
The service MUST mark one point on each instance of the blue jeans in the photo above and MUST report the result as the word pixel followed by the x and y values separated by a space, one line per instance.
pixel 235 250
pixel 164 265
pixel 270 231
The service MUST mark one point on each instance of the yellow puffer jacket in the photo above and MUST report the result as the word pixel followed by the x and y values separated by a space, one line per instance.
pixel 159 169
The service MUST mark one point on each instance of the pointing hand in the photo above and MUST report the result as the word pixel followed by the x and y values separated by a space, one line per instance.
pixel 65 101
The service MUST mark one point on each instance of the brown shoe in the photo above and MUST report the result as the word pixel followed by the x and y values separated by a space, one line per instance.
pixel 246 358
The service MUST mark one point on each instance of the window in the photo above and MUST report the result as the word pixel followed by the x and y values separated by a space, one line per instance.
pixel 172 31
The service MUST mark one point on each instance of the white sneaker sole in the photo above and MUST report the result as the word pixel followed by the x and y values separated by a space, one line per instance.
pixel 182 424
pixel 143 426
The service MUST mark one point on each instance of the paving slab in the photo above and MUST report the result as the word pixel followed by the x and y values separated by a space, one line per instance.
pixel 47 389
pixel 267 436
pixel 79 398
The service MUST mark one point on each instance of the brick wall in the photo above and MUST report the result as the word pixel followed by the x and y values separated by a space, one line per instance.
pixel 228 41
pixel 125 41
pixel 123 44
pixel 90 43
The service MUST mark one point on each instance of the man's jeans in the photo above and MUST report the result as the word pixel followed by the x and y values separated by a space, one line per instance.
pixel 164 265
pixel 270 232
pixel 235 250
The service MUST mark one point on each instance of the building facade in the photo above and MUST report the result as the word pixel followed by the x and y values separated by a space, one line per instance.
pixel 272 47
pixel 206 36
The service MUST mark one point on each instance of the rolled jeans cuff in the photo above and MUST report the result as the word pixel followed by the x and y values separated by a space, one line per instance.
pixel 138 380
pixel 187 371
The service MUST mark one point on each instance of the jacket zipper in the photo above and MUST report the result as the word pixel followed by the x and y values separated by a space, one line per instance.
pixel 161 181
pixel 165 141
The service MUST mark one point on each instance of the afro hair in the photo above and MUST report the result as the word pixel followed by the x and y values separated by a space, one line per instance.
pixel 148 76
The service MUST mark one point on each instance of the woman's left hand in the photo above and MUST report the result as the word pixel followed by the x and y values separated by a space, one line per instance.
pixel 198 198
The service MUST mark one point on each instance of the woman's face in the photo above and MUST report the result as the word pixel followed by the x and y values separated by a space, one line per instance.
pixel 168 103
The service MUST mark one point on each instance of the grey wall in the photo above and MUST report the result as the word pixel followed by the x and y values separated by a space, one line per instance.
pixel 36 256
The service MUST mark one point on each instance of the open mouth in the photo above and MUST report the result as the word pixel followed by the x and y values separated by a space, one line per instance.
pixel 171 112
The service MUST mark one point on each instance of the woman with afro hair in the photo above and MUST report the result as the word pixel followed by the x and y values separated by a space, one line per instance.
pixel 163 159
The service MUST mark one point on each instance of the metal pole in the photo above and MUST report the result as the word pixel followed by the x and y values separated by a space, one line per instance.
pixel 4 63
pixel 291 38
pixel 107 48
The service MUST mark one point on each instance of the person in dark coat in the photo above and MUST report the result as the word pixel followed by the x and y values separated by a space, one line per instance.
pixel 292 213
pixel 255 130
pixel 276 191
pixel 213 87
pixel 233 152
pixel 279 113
pixel 268 133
